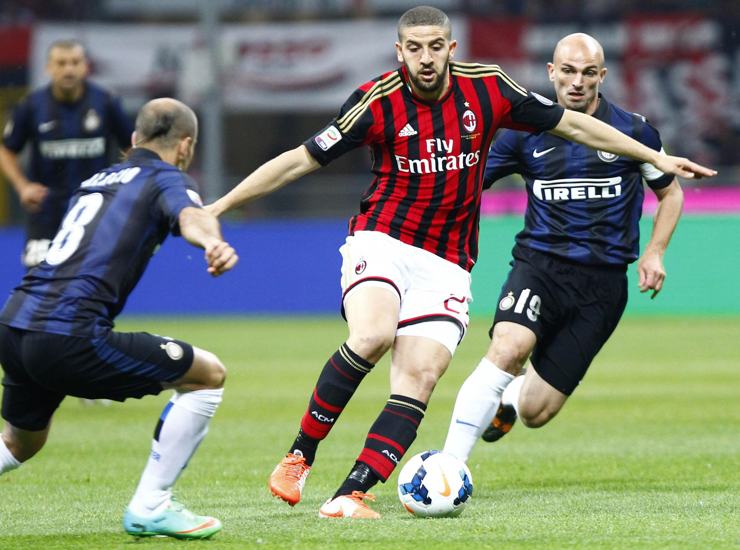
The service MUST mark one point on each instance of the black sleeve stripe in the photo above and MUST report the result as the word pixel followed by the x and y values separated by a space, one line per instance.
pixel 474 70
pixel 381 88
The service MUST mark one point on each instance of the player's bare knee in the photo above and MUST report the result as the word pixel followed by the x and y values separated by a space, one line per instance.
pixel 508 356
pixel 216 373
pixel 510 347
pixel 371 345
pixel 208 372
pixel 23 448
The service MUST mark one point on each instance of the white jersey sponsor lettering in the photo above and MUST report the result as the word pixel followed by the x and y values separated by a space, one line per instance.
pixel 577 188
pixel 73 148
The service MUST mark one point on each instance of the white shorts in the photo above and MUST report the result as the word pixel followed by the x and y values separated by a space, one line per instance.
pixel 433 292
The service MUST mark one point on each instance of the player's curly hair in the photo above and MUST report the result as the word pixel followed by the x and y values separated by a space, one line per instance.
pixel 422 16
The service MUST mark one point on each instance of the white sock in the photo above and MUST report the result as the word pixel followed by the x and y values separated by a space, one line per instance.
pixel 476 405
pixel 7 460
pixel 511 393
pixel 183 425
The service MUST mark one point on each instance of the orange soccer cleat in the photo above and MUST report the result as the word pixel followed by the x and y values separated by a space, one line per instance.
pixel 349 506
pixel 288 478
pixel 501 424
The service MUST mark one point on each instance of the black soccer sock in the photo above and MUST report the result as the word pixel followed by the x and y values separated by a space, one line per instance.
pixel 336 385
pixel 360 478
pixel 390 436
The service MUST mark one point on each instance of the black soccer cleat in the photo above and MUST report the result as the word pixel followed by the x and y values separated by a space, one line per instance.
pixel 501 423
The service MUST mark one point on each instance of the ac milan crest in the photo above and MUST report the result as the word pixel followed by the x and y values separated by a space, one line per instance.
pixel 469 120
pixel 360 267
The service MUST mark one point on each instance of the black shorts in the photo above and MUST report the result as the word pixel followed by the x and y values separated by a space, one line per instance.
pixel 42 368
pixel 571 308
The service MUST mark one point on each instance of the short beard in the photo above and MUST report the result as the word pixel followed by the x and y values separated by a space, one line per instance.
pixel 426 86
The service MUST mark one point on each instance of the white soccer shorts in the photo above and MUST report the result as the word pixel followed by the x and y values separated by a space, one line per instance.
pixel 433 292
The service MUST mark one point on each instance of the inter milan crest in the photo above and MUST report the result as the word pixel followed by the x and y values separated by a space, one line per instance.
pixel 607 157
pixel 173 350
pixel 507 302
pixel 92 121
pixel 360 267
pixel 470 122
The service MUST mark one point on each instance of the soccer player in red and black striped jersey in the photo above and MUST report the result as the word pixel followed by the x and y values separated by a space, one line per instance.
pixel 406 261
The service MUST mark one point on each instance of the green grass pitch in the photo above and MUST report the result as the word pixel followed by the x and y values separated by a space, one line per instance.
pixel 645 455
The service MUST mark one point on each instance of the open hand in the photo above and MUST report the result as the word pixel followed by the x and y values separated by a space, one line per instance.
pixel 683 167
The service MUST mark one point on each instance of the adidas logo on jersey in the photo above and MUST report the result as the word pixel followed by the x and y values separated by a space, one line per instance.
pixel 407 131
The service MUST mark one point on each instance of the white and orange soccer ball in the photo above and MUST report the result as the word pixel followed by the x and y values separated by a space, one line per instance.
pixel 435 484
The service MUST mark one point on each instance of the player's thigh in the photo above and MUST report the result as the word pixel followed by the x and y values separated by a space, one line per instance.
pixel 436 303
pixel 527 297
pixel 527 310
pixel 117 366
pixel 26 404
pixel 372 309
pixel 597 301
pixel 417 363
pixel 373 283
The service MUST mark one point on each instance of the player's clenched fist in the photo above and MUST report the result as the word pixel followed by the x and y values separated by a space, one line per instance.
pixel 221 257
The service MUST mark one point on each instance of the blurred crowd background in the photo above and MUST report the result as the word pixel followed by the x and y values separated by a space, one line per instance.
pixel 265 75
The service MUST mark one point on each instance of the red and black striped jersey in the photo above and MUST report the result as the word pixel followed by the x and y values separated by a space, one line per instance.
pixel 429 156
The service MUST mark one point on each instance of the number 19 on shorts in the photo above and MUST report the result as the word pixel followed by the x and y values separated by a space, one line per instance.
pixel 525 302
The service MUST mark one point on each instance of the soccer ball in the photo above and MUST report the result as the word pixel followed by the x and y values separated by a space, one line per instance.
pixel 435 484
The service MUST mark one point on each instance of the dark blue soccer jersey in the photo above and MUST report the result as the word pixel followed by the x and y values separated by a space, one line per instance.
pixel 69 143
pixel 116 220
pixel 582 205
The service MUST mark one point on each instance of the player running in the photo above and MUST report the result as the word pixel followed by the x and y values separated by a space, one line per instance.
pixel 567 287
pixel 68 124
pixel 406 262
pixel 56 329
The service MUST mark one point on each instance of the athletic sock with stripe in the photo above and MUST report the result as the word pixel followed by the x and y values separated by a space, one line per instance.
pixel 340 377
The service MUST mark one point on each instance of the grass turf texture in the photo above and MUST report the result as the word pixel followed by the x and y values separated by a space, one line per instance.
pixel 645 455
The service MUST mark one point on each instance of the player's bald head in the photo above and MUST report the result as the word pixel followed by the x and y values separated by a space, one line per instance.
pixel 579 46
pixel 424 16
pixel 165 121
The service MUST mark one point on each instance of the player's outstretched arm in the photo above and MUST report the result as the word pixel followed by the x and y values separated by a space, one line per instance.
pixel 202 229
pixel 590 131
pixel 269 177
pixel 650 269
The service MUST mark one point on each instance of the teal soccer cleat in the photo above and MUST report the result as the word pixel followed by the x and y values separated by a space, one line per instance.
pixel 175 521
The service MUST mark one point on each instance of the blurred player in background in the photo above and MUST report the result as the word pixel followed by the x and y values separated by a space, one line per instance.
pixel 56 329
pixel 567 287
pixel 69 124
pixel 405 273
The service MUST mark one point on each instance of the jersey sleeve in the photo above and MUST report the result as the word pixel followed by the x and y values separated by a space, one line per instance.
pixel 174 191
pixel 17 130
pixel 650 137
pixel 349 130
pixel 503 158
pixel 121 125
pixel 529 111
